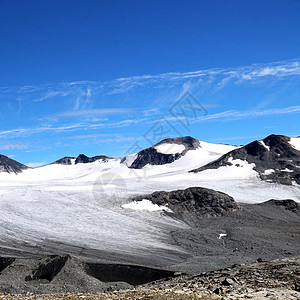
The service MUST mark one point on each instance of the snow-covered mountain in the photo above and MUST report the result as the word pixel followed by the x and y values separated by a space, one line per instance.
pixel 90 204
pixel 164 152
pixel 251 173
pixel 275 158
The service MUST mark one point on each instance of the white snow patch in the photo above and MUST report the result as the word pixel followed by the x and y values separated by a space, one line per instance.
pixel 145 205
pixel 130 159
pixel 221 235
pixel 268 172
pixel 170 148
pixel 267 147
pixel 287 170
pixel 239 162
pixel 295 142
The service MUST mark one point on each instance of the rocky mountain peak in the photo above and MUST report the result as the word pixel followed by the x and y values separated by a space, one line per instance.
pixel 10 166
pixel 275 159
pixel 83 159
pixel 164 152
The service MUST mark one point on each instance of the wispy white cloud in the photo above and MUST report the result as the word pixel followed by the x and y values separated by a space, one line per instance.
pixel 21 132
pixel 114 140
pixel 229 115
pixel 25 132
pixel 94 112
pixel 11 146
pixel 238 115
pixel 79 104
pixel 232 138
pixel 122 123
pixel 52 94
pixel 83 92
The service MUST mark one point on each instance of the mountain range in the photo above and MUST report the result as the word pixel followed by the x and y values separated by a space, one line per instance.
pixel 182 203
pixel 275 159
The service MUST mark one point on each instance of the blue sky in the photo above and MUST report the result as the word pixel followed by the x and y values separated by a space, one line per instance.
pixel 101 77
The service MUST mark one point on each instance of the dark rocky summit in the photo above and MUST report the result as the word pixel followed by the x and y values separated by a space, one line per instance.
pixel 194 201
pixel 274 158
pixel 10 166
pixel 153 157
pixel 64 161
pixel 83 159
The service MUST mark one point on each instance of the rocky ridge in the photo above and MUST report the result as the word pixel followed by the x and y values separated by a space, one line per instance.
pixel 193 202
pixel 81 159
pixel 11 166
pixel 274 159
pixel 65 273
pixel 153 157
pixel 277 279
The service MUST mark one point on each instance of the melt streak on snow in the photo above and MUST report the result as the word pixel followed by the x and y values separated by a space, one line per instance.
pixel 78 205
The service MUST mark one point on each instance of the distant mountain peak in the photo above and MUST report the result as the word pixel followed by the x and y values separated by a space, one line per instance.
pixel 164 152
pixel 274 157
pixel 67 160
pixel 188 141
pixel 83 159
pixel 11 166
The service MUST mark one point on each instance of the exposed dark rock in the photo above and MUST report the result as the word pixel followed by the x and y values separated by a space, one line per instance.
pixel 218 291
pixel 61 274
pixel 286 204
pixel 10 166
pixel 64 161
pixel 195 200
pixel 83 159
pixel 277 279
pixel 49 268
pixel 5 262
pixel 275 154
pixel 134 275
pixel 153 157
pixel 227 282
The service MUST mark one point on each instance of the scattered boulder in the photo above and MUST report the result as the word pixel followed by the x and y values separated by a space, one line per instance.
pixel 227 282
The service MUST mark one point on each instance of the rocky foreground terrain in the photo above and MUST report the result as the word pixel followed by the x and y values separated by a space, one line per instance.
pixel 229 254
pixel 277 279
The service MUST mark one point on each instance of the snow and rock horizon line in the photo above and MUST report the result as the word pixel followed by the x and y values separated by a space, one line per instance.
pixel 190 143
